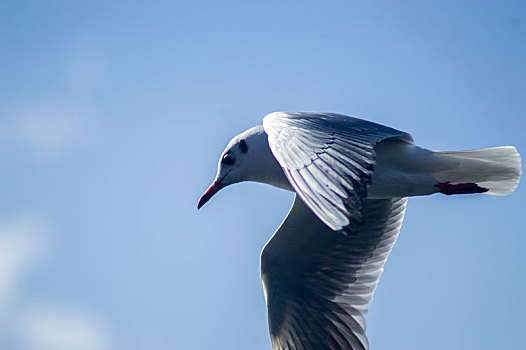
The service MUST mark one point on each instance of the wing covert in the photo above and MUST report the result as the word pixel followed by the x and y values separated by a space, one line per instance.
pixel 328 159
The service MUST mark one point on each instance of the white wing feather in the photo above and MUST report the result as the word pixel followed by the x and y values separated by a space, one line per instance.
pixel 319 283
pixel 328 159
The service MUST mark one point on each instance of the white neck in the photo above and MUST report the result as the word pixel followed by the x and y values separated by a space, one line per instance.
pixel 263 167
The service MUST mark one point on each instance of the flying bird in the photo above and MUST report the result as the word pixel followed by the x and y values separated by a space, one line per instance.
pixel 352 178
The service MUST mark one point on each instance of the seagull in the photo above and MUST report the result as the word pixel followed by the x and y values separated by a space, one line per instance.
pixel 352 178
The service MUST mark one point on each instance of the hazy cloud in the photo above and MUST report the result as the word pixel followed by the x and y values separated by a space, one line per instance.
pixel 22 242
pixel 43 128
pixel 47 325
pixel 52 121
pixel 49 131
pixel 55 327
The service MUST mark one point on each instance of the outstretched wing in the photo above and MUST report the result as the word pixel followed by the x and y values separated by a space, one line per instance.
pixel 328 159
pixel 318 283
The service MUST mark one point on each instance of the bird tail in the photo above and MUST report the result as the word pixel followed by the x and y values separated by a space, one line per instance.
pixel 494 171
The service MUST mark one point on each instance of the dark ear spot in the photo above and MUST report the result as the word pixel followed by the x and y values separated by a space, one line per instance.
pixel 243 146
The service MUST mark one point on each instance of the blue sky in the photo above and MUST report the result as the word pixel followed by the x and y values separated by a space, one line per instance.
pixel 112 118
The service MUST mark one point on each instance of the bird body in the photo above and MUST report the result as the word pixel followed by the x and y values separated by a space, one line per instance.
pixel 352 178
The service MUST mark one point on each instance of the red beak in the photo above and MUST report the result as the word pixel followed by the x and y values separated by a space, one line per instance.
pixel 216 186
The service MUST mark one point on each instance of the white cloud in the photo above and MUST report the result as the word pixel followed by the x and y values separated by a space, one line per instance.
pixel 22 242
pixel 52 121
pixel 47 325
pixel 48 131
pixel 56 327
pixel 43 128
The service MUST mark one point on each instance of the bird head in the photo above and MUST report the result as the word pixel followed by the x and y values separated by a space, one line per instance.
pixel 239 161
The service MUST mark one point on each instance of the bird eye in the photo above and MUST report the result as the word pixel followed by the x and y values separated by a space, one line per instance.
pixel 227 159
pixel 243 146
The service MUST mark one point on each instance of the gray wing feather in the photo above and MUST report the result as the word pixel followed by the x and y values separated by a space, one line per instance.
pixel 328 159
pixel 319 283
